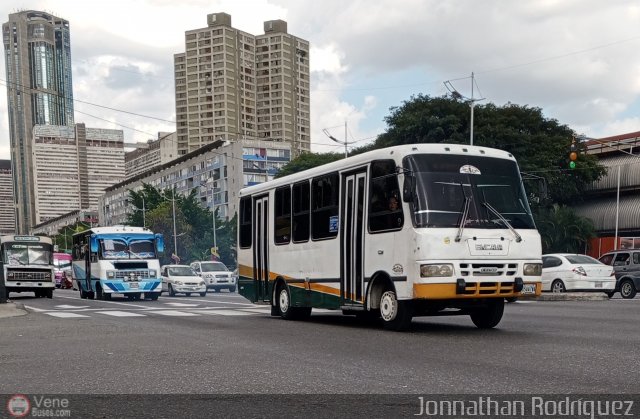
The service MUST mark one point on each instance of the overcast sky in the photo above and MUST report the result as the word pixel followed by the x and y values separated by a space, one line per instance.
pixel 574 59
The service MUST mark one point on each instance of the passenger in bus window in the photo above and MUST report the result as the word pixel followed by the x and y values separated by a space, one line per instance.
pixel 393 203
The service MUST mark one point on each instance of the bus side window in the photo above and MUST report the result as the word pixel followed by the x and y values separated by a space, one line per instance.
pixel 245 232
pixel 301 203
pixel 324 206
pixel 282 215
pixel 385 205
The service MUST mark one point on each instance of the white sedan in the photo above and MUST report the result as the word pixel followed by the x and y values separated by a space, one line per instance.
pixel 563 272
pixel 182 279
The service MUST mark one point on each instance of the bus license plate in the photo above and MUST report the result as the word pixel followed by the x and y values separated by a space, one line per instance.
pixel 133 285
pixel 528 289
pixel 598 284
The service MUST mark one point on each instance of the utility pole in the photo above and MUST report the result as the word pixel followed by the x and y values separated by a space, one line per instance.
pixel 472 101
pixel 326 132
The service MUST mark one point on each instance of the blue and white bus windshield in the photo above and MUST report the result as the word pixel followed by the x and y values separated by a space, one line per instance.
pixel 123 248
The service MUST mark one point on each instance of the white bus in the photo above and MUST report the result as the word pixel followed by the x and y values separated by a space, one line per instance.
pixel 28 264
pixel 117 260
pixel 459 239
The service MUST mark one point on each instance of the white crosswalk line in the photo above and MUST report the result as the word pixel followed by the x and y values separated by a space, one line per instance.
pixel 116 313
pixel 69 307
pixel 256 310
pixel 174 313
pixel 225 312
pixel 182 305
pixel 65 315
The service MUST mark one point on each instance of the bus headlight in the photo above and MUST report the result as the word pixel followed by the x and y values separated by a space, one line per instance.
pixel 152 273
pixel 10 275
pixel 111 274
pixel 202 283
pixel 178 282
pixel 428 271
pixel 533 269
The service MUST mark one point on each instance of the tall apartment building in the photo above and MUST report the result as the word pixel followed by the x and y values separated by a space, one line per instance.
pixel 232 85
pixel 7 216
pixel 73 166
pixel 39 92
pixel 156 153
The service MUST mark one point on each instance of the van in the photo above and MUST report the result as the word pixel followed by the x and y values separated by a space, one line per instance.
pixel 626 264
pixel 216 275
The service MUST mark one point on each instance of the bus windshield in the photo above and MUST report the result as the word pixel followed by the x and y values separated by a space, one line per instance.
pixel 16 254
pixel 61 263
pixel 485 188
pixel 119 249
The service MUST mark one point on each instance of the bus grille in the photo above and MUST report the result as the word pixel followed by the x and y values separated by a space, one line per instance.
pixel 488 288
pixel 488 269
pixel 136 274
pixel 30 276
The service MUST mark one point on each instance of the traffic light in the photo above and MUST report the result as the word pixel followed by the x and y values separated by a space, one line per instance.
pixel 573 154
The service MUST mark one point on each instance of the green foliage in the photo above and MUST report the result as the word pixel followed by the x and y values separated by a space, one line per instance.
pixel 562 230
pixel 307 161
pixel 540 145
pixel 194 225
pixel 64 238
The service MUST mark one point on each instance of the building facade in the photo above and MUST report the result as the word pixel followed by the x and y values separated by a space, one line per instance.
pixel 7 215
pixel 73 166
pixel 156 153
pixel 216 171
pixel 234 86
pixel 39 92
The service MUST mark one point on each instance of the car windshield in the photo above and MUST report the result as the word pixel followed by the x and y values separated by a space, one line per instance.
pixel 181 271
pixel 213 267
pixel 119 249
pixel 446 185
pixel 582 260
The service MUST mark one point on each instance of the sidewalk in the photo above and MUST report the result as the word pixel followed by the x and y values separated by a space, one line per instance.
pixel 12 310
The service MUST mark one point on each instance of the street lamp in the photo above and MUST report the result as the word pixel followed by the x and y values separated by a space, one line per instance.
pixel 326 132
pixel 213 210
pixel 472 101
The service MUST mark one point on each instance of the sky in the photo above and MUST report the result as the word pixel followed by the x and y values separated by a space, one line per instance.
pixel 574 59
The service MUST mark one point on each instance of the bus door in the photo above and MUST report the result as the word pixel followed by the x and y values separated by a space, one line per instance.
pixel 261 247
pixel 86 251
pixel 352 229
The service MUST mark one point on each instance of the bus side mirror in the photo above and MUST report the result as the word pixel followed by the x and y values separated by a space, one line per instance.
pixel 408 188
pixel 94 244
pixel 159 243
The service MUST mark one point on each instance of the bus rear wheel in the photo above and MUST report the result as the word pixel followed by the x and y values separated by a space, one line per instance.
pixel 284 306
pixel 396 315
pixel 490 315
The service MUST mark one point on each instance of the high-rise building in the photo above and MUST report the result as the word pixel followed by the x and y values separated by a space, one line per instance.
pixel 7 217
pixel 154 153
pixel 73 166
pixel 232 85
pixel 39 92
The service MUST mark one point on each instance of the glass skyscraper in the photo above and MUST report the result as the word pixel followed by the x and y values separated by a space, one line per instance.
pixel 39 92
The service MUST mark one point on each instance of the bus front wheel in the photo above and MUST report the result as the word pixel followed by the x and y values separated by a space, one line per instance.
pixel 284 303
pixel 489 316
pixel 396 315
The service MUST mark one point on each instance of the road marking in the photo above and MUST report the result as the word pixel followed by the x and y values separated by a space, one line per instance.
pixel 65 315
pixel 38 310
pixel 110 302
pixel 224 312
pixel 116 313
pixel 257 310
pixel 227 302
pixel 64 306
pixel 172 313
pixel 182 305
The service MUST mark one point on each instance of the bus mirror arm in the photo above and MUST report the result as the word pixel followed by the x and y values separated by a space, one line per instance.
pixel 409 186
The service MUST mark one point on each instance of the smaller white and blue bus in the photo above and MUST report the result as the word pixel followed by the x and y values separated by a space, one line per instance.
pixel 117 260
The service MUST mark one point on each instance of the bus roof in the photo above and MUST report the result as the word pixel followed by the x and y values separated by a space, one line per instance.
pixel 118 229
pixel 25 238
pixel 395 152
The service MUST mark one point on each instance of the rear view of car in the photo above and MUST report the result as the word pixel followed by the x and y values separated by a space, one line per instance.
pixel 216 275
pixel 572 272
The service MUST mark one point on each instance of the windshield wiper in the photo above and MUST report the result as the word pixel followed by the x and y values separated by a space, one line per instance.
pixel 463 220
pixel 504 220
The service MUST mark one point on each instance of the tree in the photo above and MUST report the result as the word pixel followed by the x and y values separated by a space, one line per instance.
pixel 307 161
pixel 540 145
pixel 194 224
pixel 64 238
pixel 562 230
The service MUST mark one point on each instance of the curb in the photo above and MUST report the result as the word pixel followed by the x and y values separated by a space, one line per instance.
pixel 569 296
pixel 12 310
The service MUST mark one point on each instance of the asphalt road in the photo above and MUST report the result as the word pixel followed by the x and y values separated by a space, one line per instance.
pixel 222 344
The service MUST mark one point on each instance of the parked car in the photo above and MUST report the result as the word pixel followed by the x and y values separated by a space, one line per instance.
pixel 626 264
pixel 563 272
pixel 216 275
pixel 182 279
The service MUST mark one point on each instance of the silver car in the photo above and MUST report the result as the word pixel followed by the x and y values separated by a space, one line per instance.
pixel 216 275
pixel 182 279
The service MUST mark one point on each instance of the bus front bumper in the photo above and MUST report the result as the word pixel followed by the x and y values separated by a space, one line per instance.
pixel 466 290
pixel 123 287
